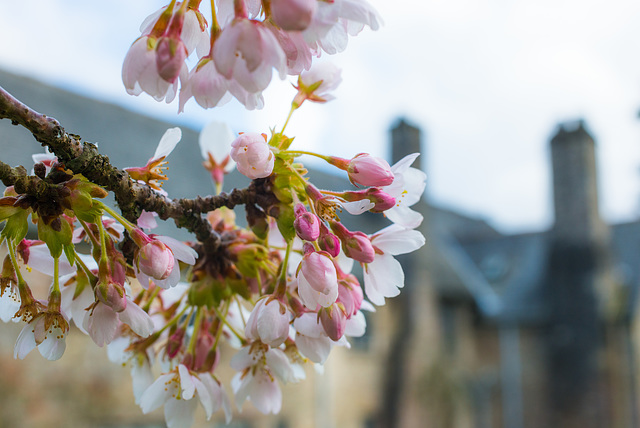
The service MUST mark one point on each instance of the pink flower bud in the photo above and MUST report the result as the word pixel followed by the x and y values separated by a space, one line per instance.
pixel 328 241
pixel 204 344
pixel 368 170
pixel 111 294
pixel 156 260
pixel 333 320
pixel 319 271
pixel 350 295
pixel 293 15
pixel 170 57
pixel 306 224
pixel 174 344
pixel 252 155
pixel 355 245
pixel 383 201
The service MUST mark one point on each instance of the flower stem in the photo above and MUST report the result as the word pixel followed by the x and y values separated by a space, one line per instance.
pixel 14 262
pixel 103 243
pixel 126 223
pixel 224 320
pixel 86 270
pixel 196 330
pixel 304 152
pixel 286 122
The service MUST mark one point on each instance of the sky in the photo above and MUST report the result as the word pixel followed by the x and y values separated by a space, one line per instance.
pixel 487 81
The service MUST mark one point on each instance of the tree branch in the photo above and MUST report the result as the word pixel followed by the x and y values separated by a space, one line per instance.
pixel 132 197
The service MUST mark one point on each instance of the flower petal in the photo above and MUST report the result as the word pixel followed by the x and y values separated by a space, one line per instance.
pixel 396 239
pixel 168 142
pixel 158 393
pixel 186 382
pixel 216 138
pixel 53 345
pixel 139 321
pixel 25 343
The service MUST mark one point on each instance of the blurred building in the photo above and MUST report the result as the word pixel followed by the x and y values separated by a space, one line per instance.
pixel 491 330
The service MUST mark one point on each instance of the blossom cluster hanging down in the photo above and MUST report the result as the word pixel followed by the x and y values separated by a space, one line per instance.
pixel 279 294
pixel 239 48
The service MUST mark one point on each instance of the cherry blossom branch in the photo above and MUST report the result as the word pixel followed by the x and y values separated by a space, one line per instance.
pixel 132 197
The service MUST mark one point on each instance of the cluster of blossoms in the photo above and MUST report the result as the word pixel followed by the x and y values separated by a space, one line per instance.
pixel 279 293
pixel 238 50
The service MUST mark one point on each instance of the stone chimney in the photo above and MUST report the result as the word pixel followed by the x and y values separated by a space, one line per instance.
pixel 405 139
pixel 576 284
pixel 575 188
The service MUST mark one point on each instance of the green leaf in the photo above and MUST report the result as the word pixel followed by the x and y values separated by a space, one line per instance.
pixel 54 239
pixel 285 222
pixel 17 226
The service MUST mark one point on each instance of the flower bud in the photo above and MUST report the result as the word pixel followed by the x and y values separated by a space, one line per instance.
pixel 382 201
pixel 319 271
pixel 328 241
pixel 170 57
pixel 355 245
pixel 111 294
pixel 252 155
pixel 156 260
pixel 333 321
pixel 368 170
pixel 306 224
pixel 350 295
pixel 204 344
pixel 293 15
pixel 174 344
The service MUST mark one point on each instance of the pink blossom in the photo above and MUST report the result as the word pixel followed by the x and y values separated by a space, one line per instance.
pixel 317 281
pixel 269 322
pixel 157 259
pixel 246 52
pixel 259 369
pixel 170 57
pixel 311 339
pixel 47 159
pixel 206 85
pixel 215 144
pixel 350 294
pixel 407 189
pixel 153 172
pixel 176 390
pixel 384 277
pixel 293 15
pixel 147 220
pixel 299 54
pixel 10 302
pixel 46 331
pixel 328 241
pixel 306 224
pixel 334 21
pixel 333 320
pixel 355 245
pixel 140 72
pixel 102 322
pixel 317 83
pixel 252 155
pixel 369 170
